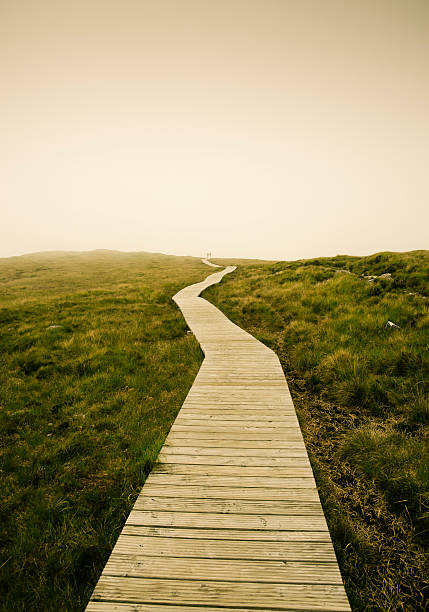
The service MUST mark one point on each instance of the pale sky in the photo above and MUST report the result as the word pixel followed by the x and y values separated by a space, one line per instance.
pixel 272 129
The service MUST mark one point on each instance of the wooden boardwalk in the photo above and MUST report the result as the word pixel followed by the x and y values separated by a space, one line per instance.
pixel 210 263
pixel 230 519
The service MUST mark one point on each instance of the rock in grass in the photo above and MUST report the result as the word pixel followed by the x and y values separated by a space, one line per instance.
pixel 54 326
pixel 372 278
pixel 390 325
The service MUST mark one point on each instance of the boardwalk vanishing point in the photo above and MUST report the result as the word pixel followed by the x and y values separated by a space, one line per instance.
pixel 230 519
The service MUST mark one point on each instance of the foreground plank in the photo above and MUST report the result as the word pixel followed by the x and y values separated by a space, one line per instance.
pixel 199 459
pixel 232 481
pixel 293 471
pixel 292 572
pixel 213 520
pixel 227 506
pixel 220 593
pixel 201 451
pixel 242 535
pixel 251 493
pixel 137 546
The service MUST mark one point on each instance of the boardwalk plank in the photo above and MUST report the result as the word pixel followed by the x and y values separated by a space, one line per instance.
pixel 310 550
pixel 282 443
pixel 210 433
pixel 227 506
pixel 233 470
pixel 213 520
pixel 251 535
pixel 255 595
pixel 242 422
pixel 232 481
pixel 249 452
pixel 108 606
pixel 232 429
pixel 224 569
pixel 206 415
pixel 250 493
pixel 194 459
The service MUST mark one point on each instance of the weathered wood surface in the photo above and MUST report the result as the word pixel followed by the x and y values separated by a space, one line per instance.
pixel 229 520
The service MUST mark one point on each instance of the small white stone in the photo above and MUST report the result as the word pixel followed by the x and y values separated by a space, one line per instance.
pixel 391 325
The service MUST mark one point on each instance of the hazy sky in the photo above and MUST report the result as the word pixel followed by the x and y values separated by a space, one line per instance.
pixel 253 128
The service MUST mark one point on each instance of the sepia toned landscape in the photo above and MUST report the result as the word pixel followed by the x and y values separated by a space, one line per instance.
pixel 214 284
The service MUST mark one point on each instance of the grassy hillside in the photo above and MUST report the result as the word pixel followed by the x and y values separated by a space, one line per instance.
pixel 361 393
pixel 95 363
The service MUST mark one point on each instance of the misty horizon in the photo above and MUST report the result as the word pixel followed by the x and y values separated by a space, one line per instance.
pixel 261 130
pixel 213 256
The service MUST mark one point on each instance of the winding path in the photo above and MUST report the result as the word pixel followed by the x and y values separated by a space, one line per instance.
pixel 229 520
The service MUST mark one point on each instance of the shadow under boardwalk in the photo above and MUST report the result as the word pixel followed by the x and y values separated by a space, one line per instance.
pixel 230 519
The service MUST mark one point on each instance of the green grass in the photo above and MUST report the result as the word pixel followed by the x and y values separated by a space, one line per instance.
pixel 85 406
pixel 361 393
pixel 84 409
